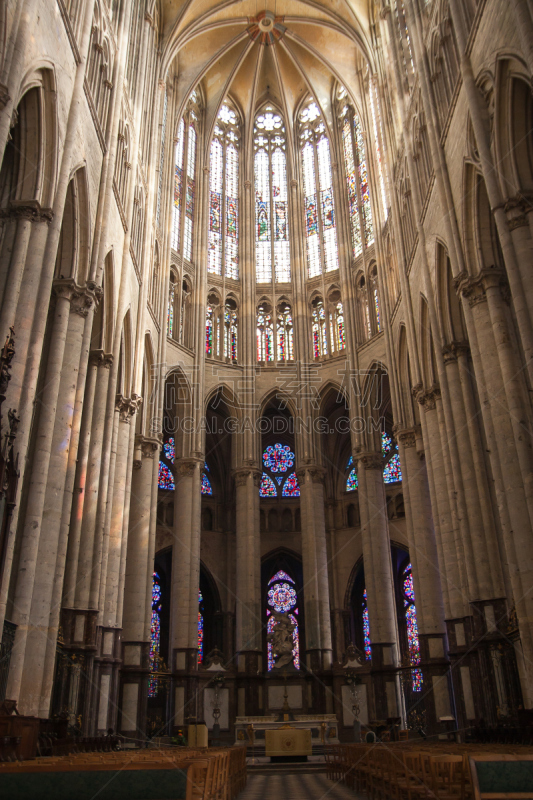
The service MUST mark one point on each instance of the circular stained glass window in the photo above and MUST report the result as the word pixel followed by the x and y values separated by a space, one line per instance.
pixel 281 597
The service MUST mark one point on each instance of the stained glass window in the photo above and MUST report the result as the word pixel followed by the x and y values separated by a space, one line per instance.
pixel 336 329
pixel 319 329
pixel 267 487
pixel 350 462
pixel 282 598
pixel 209 324
pixel 319 203
pixel 291 487
pixel 376 308
pixel 412 626
pixel 200 628
pixel 162 157
pixel 378 135
pixel 165 478
pixel 171 306
pixel 230 333
pixel 356 173
pixel 351 481
pixel 169 449
pixel 281 575
pixel 278 458
pixel 206 485
pixel 366 629
pixel 155 635
pixel 185 181
pixel 284 333
pixel 265 334
pixel 386 443
pixel 392 472
pixel 223 235
pixel 272 250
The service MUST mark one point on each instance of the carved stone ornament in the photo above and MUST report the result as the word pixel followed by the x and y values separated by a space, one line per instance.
pixel 127 406
pixel 81 298
pixel 517 208
pixel 100 359
pixel 149 447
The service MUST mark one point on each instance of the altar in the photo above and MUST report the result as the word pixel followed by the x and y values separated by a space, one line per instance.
pixel 320 729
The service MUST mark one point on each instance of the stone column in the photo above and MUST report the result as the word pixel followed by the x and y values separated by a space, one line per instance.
pixel 185 586
pixel 379 585
pixel 37 560
pixel 248 570
pixel 426 578
pixel 137 606
pixel 315 568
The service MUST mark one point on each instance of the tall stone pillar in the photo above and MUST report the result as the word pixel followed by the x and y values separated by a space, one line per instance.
pixel 379 585
pixel 110 558
pixel 137 608
pixel 185 587
pixel 426 578
pixel 315 568
pixel 248 568
pixel 248 590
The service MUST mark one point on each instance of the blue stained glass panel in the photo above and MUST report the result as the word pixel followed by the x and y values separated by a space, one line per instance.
pixel 200 629
pixel 350 462
pixel 155 635
pixel 282 597
pixel 366 630
pixel 291 487
pixel 278 458
pixel 206 485
pixel 392 472
pixel 169 449
pixel 165 478
pixel 386 443
pixel 351 483
pixel 267 487
pixel 281 575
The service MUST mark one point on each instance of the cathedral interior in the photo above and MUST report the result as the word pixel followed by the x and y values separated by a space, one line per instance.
pixel 266 310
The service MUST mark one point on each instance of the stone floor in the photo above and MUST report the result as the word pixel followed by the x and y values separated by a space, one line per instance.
pixel 298 786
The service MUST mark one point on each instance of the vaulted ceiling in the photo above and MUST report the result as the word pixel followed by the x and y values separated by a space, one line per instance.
pixel 265 50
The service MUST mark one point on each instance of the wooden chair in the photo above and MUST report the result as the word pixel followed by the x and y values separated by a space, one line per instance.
pixel 447 777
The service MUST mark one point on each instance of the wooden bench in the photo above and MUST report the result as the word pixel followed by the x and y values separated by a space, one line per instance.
pixel 495 776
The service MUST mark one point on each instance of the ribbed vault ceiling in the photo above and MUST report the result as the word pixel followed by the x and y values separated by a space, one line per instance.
pixel 255 51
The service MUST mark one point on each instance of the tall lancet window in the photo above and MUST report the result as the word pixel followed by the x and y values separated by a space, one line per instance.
pixel 223 246
pixel 282 601
pixel 412 627
pixel 320 221
pixel 155 636
pixel 356 172
pixel 284 333
pixel 185 180
pixel 272 251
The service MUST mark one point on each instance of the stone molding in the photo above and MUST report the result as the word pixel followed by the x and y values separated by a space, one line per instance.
pixel 127 406
pixel 517 208
pixel 4 96
pixel 316 474
pixel 81 298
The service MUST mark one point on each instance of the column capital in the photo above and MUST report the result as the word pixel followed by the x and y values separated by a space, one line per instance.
pixel 475 288
pixel 407 436
pixel 81 298
pixel 100 359
pixel 127 406
pixel 370 460
pixel 185 467
pixel 241 475
pixel 29 209
pixel 451 352
pixel 311 474
pixel 427 398
pixel 517 209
